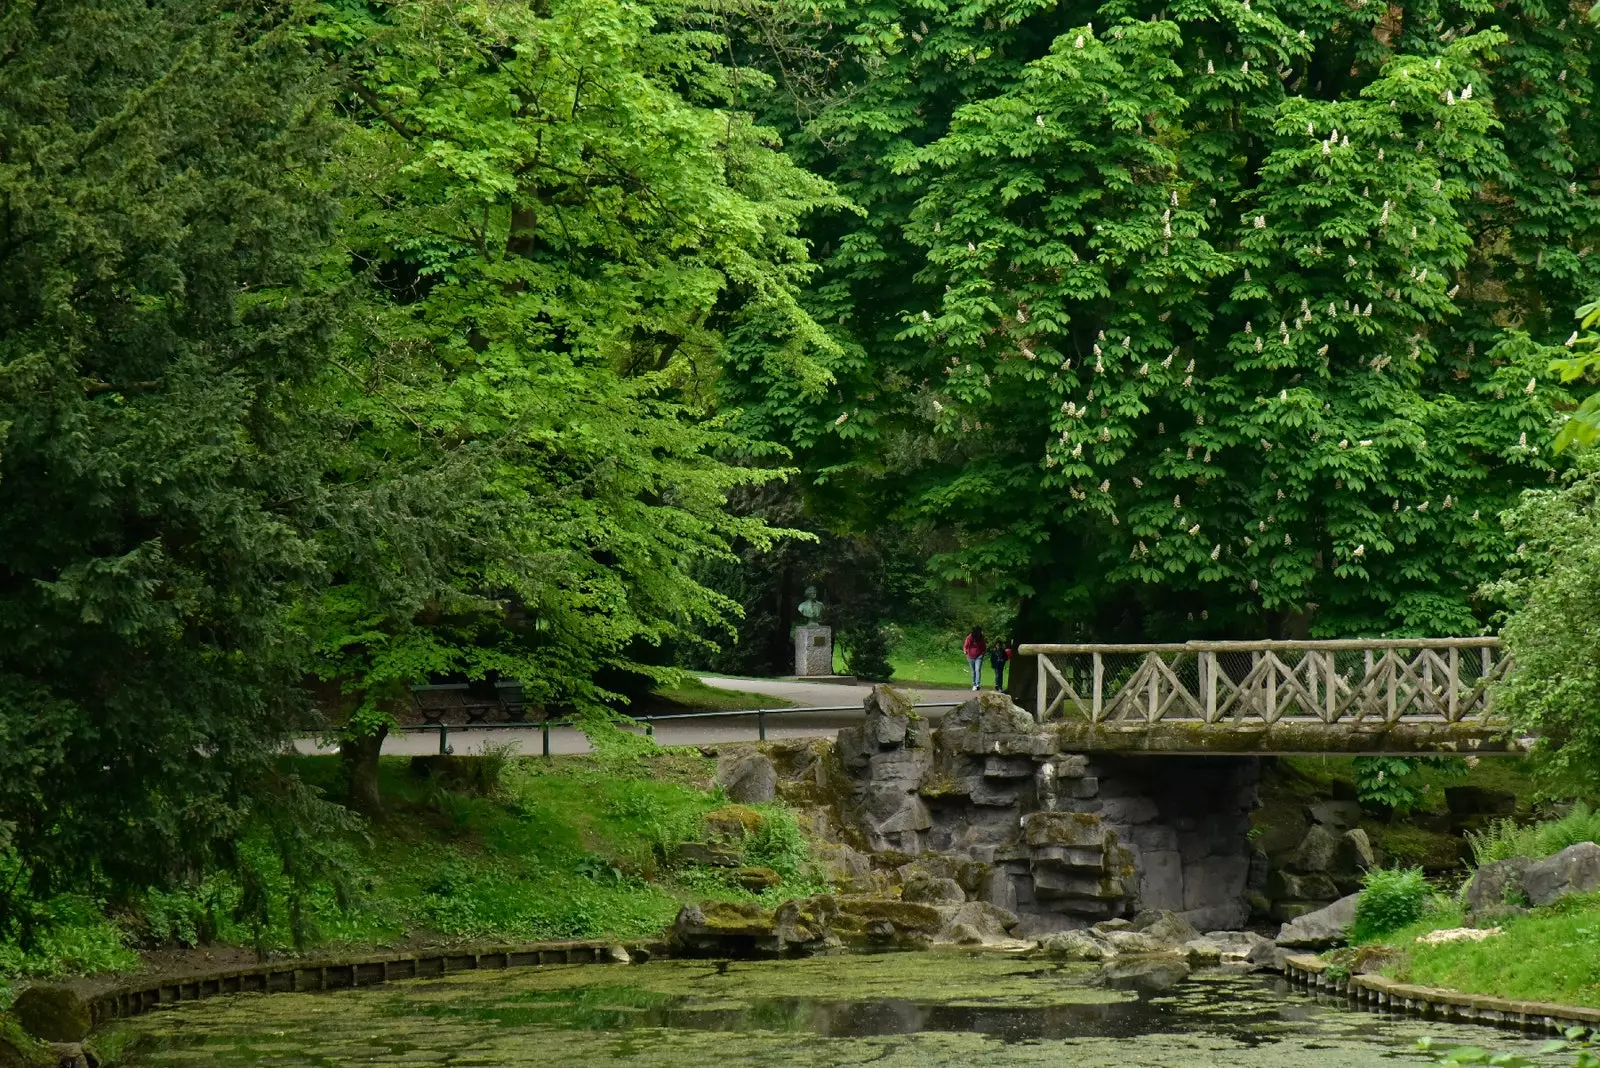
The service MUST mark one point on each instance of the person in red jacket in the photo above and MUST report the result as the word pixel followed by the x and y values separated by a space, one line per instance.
pixel 975 647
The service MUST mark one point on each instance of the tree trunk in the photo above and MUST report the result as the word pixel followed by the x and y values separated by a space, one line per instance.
pixel 358 758
pixel 1022 675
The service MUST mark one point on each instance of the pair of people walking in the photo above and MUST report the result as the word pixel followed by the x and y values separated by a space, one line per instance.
pixel 976 647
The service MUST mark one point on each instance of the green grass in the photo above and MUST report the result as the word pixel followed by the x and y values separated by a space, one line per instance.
pixel 1551 954
pixel 573 847
pixel 694 695
pixel 929 656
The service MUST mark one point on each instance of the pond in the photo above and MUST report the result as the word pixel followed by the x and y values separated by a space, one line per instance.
pixel 922 1009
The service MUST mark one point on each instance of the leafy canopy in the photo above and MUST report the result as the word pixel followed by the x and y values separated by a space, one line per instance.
pixel 1200 317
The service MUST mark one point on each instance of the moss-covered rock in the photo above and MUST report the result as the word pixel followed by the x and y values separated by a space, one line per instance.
pixel 53 1012
pixel 18 1049
pixel 732 822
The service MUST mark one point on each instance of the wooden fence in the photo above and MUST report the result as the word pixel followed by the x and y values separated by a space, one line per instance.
pixel 1372 682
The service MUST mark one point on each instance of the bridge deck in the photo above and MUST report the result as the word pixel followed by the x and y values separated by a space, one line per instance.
pixel 1346 696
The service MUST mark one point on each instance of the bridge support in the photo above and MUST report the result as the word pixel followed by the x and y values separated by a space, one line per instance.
pixel 1061 838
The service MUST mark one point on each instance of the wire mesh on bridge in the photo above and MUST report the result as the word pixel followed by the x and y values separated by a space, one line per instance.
pixel 1375 682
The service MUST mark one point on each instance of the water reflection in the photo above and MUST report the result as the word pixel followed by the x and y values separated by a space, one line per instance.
pixel 921 1010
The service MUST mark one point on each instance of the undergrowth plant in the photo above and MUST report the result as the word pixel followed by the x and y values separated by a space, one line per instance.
pixel 1391 898
pixel 1506 838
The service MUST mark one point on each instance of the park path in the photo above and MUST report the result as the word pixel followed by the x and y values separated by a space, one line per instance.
pixel 689 731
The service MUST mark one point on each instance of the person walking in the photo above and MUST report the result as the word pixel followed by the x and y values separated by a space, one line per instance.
pixel 998 655
pixel 975 647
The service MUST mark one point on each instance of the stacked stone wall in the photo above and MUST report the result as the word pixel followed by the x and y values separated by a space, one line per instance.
pixel 1063 839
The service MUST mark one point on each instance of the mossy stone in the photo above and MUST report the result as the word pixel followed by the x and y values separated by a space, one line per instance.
pixel 53 1012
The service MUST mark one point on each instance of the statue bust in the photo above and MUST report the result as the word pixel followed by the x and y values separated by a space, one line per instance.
pixel 811 608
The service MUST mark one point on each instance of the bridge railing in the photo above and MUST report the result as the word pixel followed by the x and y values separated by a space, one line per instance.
pixel 1375 681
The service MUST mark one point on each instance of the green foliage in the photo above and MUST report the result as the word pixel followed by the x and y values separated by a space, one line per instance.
pixel 1583 426
pixel 777 843
pixel 1506 838
pixel 1192 320
pixel 1391 898
pixel 162 308
pixel 559 216
pixel 867 651
pixel 1396 782
pixel 72 937
pixel 1551 588
pixel 1575 1043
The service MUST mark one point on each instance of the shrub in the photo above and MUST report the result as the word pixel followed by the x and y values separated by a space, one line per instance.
pixel 1505 838
pixel 1391 898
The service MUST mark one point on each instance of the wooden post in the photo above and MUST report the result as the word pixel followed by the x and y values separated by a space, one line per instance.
pixel 1271 713
pixel 1098 701
pixel 1331 682
pixel 1394 684
pixel 1154 686
pixel 1255 662
pixel 1452 712
pixel 1040 705
pixel 1488 665
pixel 1208 682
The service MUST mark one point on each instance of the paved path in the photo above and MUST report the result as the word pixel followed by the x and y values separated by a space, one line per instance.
pixel 815 694
pixel 689 731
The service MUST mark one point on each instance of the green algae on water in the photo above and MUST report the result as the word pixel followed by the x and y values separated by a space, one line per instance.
pixel 925 1009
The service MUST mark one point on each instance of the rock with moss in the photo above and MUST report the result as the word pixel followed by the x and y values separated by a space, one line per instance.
pixel 757 879
pixel 1496 885
pixel 1076 946
pixel 732 823
pixel 18 1049
pixel 933 890
pixel 53 1012
pixel 747 776
pixel 991 925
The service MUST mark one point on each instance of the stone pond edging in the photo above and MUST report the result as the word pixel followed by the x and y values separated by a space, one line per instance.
pixel 1379 994
pixel 341 973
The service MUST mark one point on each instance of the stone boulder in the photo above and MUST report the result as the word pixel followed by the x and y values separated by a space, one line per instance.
pixel 933 891
pixel 1243 947
pixel 1322 928
pixel 1496 885
pixel 1165 927
pixel 53 1012
pixel 1355 854
pixel 1315 854
pixel 888 719
pixel 747 776
pixel 1287 886
pixel 1338 815
pixel 990 713
pixel 978 923
pixel 1574 870
pixel 1076 946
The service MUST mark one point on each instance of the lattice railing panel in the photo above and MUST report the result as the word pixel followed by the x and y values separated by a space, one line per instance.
pixel 1380 681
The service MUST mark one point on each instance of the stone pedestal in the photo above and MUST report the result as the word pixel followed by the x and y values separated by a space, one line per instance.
pixel 813 649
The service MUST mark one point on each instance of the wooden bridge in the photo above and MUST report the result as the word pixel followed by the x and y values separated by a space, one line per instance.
pixel 1409 695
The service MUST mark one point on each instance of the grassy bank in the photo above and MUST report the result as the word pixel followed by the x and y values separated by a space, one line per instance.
pixel 1549 954
pixel 483 849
